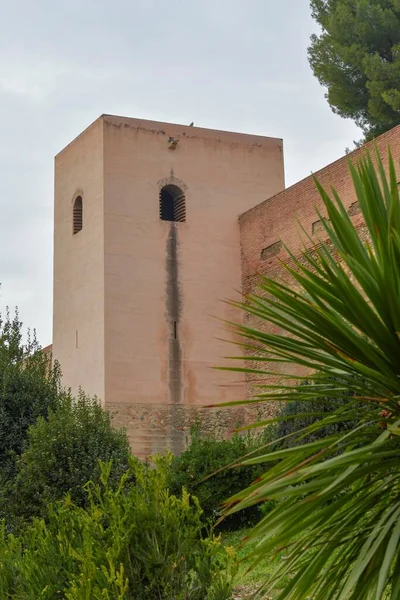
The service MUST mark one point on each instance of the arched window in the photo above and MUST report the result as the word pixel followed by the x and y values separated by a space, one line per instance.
pixel 77 215
pixel 172 204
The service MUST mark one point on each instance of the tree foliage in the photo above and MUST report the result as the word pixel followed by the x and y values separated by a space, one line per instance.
pixel 357 57
pixel 29 387
pixel 338 507
pixel 62 453
pixel 50 443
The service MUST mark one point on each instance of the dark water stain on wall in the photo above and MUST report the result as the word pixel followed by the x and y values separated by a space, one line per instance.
pixel 173 315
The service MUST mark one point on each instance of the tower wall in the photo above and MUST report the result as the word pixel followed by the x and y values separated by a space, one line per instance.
pixel 78 311
pixel 165 282
pixel 152 291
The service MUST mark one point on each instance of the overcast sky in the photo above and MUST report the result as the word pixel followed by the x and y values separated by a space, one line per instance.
pixel 239 65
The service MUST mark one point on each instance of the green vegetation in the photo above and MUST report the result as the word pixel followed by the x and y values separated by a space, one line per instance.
pixel 129 542
pixel 63 452
pixel 338 512
pixel 80 517
pixel 29 388
pixel 50 443
pixel 297 415
pixel 250 580
pixel 357 58
pixel 205 470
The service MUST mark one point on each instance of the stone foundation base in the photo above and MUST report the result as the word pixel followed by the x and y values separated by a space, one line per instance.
pixel 155 428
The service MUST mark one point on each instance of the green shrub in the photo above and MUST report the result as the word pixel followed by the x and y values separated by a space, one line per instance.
pixel 131 542
pixel 267 507
pixel 200 469
pixel 29 387
pixel 301 414
pixel 63 452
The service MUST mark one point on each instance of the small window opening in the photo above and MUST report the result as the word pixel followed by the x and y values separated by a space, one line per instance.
pixel 271 251
pixel 318 226
pixel 354 209
pixel 77 217
pixel 175 331
pixel 172 204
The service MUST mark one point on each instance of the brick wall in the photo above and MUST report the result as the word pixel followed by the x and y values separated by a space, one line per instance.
pixel 276 222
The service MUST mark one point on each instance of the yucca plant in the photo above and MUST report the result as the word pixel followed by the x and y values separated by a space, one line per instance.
pixel 337 519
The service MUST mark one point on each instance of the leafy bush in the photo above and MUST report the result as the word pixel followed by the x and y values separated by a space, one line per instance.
pixel 267 507
pixel 63 452
pixel 200 469
pixel 29 387
pixel 299 415
pixel 130 542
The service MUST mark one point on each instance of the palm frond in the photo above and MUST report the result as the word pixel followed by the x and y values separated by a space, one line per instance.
pixel 338 510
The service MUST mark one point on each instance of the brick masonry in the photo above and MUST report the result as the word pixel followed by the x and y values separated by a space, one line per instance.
pixel 280 219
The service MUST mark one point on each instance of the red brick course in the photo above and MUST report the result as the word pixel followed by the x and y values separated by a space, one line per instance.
pixel 281 217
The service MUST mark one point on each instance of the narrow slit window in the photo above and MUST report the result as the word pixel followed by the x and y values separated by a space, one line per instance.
pixel 77 216
pixel 172 204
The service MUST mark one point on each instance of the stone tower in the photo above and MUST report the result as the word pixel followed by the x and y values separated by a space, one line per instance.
pixel 146 248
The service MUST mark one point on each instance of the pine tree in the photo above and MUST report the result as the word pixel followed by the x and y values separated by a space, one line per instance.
pixel 357 58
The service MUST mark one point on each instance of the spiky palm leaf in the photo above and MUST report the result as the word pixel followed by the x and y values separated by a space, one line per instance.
pixel 338 516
